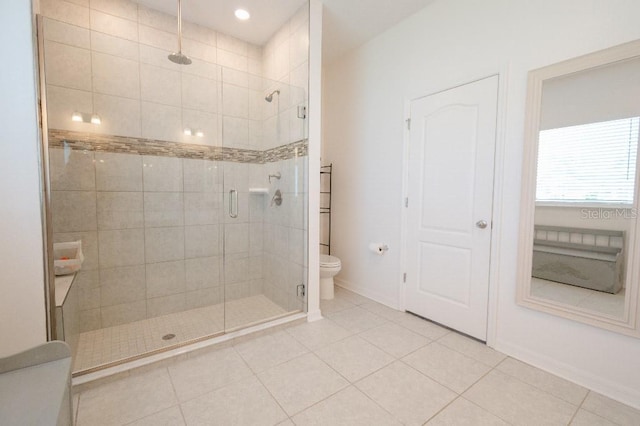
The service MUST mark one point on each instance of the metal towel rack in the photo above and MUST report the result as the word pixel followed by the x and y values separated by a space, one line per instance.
pixel 325 197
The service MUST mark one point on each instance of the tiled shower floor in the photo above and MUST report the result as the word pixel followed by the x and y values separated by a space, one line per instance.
pixel 115 343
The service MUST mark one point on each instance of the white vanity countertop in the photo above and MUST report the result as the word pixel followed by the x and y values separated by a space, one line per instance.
pixel 63 284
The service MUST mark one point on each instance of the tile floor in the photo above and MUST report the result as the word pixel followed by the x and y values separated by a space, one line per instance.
pixel 606 303
pixel 115 343
pixel 365 364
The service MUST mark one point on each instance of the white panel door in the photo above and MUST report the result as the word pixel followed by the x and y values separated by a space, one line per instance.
pixel 451 166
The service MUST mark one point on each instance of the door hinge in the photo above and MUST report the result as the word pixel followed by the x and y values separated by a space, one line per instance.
pixel 301 290
pixel 406 201
pixel 408 120
pixel 404 277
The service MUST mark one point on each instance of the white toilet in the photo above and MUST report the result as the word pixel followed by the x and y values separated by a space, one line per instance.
pixel 329 267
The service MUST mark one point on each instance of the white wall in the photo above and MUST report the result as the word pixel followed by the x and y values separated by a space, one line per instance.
pixel 449 43
pixel 22 306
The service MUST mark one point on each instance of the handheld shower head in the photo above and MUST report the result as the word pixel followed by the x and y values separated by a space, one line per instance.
pixel 269 97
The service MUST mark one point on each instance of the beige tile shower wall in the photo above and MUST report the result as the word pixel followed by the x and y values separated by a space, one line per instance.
pixel 151 229
pixel 110 57
pixel 285 62
pixel 146 222
pixel 285 233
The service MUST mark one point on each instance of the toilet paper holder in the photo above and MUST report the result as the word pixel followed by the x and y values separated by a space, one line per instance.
pixel 379 248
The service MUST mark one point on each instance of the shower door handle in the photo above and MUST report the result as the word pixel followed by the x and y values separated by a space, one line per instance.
pixel 233 203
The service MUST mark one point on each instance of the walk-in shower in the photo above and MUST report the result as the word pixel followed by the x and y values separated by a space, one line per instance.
pixel 171 194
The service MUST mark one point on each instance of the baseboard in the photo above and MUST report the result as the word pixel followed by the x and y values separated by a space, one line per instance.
pixel 365 292
pixel 623 394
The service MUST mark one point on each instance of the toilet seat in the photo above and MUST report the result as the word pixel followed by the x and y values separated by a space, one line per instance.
pixel 329 261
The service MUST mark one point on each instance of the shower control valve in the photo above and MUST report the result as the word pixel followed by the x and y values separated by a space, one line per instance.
pixel 277 198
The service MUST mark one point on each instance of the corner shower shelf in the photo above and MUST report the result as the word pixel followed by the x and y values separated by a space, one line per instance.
pixel 258 190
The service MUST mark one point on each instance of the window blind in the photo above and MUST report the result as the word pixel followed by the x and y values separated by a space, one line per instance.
pixel 589 163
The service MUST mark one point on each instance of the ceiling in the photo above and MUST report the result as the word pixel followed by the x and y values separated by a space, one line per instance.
pixel 266 15
pixel 346 23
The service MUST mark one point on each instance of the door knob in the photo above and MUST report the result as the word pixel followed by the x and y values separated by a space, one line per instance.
pixel 481 224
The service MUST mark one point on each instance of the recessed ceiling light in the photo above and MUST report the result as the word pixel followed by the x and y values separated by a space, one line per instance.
pixel 242 14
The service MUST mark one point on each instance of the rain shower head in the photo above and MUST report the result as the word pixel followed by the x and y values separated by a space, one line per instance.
pixel 269 97
pixel 179 57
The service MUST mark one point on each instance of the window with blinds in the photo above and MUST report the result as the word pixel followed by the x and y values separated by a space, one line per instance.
pixel 592 163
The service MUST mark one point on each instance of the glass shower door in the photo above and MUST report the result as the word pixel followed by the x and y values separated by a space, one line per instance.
pixel 264 200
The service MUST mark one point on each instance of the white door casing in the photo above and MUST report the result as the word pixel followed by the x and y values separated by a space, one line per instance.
pixel 450 189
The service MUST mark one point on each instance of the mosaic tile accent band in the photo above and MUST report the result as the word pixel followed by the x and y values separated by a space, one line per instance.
pixel 127 145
